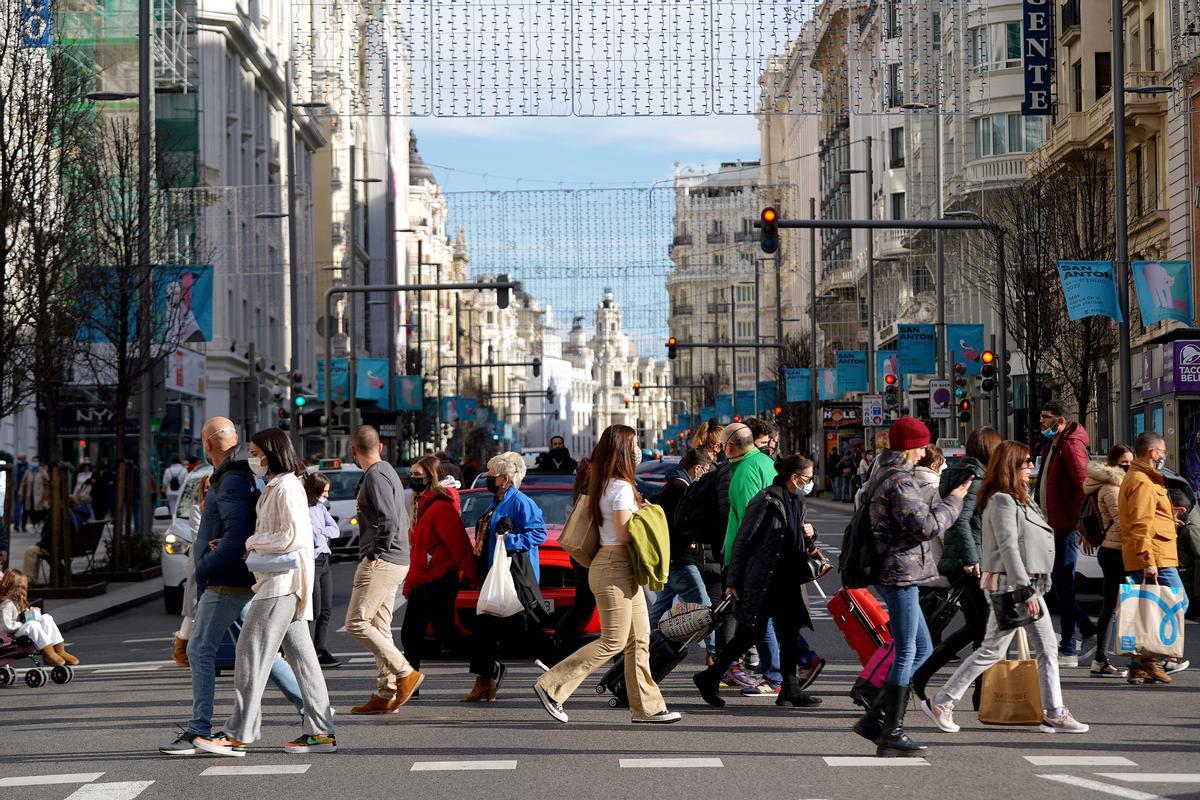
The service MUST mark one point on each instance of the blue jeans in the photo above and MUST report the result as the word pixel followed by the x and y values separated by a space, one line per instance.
pixel 1070 613
pixel 215 614
pixel 686 584
pixel 842 488
pixel 909 632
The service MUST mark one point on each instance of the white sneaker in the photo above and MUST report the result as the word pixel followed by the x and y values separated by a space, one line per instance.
pixel 1171 667
pixel 553 708
pixel 1063 723
pixel 1068 661
pixel 663 717
pixel 941 715
pixel 1103 669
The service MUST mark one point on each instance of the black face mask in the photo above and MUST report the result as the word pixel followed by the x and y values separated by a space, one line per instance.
pixel 492 485
pixel 417 484
pixel 558 452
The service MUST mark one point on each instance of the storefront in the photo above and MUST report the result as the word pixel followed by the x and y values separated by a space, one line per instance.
pixel 1171 400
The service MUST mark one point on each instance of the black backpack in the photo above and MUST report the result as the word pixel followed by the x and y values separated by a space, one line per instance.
pixel 698 514
pixel 175 483
pixel 858 563
pixel 1091 524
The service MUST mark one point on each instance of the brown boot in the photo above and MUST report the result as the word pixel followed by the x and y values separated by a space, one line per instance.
pixel 69 659
pixel 406 686
pixel 1153 670
pixel 376 705
pixel 180 654
pixel 50 657
pixel 483 689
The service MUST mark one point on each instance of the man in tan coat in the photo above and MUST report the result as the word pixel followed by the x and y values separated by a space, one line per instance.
pixel 1148 530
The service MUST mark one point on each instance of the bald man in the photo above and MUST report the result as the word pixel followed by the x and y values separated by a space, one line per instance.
pixel 223 584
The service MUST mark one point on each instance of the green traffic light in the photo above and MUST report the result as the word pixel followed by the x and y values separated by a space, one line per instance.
pixel 301 401
pixel 960 393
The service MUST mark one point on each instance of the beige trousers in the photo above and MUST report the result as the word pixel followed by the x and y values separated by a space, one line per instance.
pixel 369 619
pixel 624 625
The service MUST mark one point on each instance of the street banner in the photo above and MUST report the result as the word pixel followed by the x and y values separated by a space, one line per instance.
pixel 872 410
pixel 450 409
pixel 183 298
pixel 410 392
pixel 964 345
pixel 35 23
pixel 1090 289
pixel 707 413
pixel 851 371
pixel 917 347
pixel 744 407
pixel 370 378
pixel 941 399
pixel 1037 56
pixel 827 389
pixel 339 379
pixel 468 408
pixel 186 371
pixel 1164 290
pixel 798 384
pixel 886 363
pixel 768 394
pixel 725 408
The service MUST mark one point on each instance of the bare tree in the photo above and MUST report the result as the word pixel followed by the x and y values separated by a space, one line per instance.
pixel 796 417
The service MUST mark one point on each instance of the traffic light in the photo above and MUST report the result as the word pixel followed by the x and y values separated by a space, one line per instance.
pixel 769 230
pixel 550 395
pixel 672 348
pixel 960 381
pixel 1008 377
pixel 626 401
pixel 283 420
pixel 988 371
pixel 778 410
pixel 637 388
pixel 537 367
pixel 964 410
pixel 502 294
pixel 891 391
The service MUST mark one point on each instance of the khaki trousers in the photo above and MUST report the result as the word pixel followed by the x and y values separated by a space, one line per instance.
pixel 369 619
pixel 624 625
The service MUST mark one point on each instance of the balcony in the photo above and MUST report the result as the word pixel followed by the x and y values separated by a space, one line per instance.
pixel 1069 30
pixel 1009 169
pixel 832 279
pixel 718 308
pixel 682 311
pixel 746 236
pixel 681 240
pixel 717 238
pixel 865 20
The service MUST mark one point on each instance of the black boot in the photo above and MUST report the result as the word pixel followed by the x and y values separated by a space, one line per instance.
pixel 709 685
pixel 892 741
pixel 791 696
pixel 870 724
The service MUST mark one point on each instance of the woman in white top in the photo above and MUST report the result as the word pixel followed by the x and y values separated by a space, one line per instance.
pixel 280 554
pixel 624 620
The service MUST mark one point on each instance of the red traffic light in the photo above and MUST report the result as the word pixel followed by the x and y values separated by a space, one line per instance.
pixel 965 405
pixel 778 410
pixel 960 368
pixel 889 379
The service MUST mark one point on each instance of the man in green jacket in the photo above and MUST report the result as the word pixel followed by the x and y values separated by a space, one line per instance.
pixel 752 472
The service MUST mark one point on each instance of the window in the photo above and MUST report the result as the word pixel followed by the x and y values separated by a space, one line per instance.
pixel 617 378
pixel 1139 182
pixel 896 147
pixel 893 19
pixel 1151 55
pixel 898 205
pixel 1103 74
pixel 1077 87
pixel 718 260
pixel 745 329
pixel 936 31
pixel 895 93
pixel 995 46
pixel 717 227
pixel 1035 133
pixel 1134 50
pixel 744 294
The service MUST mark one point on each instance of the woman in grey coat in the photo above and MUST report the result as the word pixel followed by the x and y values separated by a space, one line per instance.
pixel 1018 553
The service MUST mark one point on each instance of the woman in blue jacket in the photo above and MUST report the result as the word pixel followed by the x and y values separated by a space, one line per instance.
pixel 519 520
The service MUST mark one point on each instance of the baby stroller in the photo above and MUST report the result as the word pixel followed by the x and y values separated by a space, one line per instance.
pixel 668 647
pixel 15 649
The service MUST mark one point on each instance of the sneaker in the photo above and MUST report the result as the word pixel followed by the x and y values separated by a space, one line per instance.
pixel 752 660
pixel 220 744
pixel 736 676
pixel 1087 646
pixel 1068 661
pixel 809 674
pixel 541 665
pixel 553 708
pixel 1171 667
pixel 942 715
pixel 327 660
pixel 184 745
pixel 312 744
pixel 1063 723
pixel 663 717
pixel 1103 669
pixel 764 688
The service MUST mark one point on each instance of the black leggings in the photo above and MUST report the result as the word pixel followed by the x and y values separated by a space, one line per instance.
pixel 975 614
pixel 1113 565
pixel 572 623
pixel 431 602
pixel 322 602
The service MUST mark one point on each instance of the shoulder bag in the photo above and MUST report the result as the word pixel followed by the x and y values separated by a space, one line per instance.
pixel 580 536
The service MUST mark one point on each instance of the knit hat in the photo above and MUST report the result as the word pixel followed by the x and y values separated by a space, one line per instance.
pixel 907 433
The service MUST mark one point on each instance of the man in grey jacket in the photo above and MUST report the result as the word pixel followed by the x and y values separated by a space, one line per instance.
pixel 383 564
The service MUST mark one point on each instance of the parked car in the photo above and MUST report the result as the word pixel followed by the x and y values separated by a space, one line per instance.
pixel 652 475
pixel 531 479
pixel 177 543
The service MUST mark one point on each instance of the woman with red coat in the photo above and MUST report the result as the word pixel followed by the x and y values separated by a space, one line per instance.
pixel 441 551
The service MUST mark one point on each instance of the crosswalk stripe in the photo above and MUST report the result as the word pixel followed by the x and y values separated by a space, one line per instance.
pixel 1079 761
pixel 1153 777
pixel 144 641
pixel 461 766
pixel 47 780
pixel 259 769
pixel 362 660
pixel 125 790
pixel 116 670
pixel 670 763
pixel 873 761
pixel 1103 788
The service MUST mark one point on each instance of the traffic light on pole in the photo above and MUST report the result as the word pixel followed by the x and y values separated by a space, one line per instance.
pixel 626 401
pixel 964 410
pixel 537 367
pixel 988 371
pixel 769 230
pixel 960 381
pixel 502 293
pixel 637 388
pixel 672 348
pixel 891 391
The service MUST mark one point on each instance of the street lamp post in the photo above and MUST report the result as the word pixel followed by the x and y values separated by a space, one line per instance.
pixel 870 173
pixel 814 413
pixel 352 355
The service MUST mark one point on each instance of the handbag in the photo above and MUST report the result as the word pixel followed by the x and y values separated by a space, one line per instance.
pixel 580 536
pixel 498 596
pixel 816 566
pixel 1010 694
pixel 940 608
pixel 273 563
pixel 1009 608
pixel 1150 620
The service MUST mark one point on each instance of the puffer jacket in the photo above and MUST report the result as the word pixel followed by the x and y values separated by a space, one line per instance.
pixel 928 482
pixel 1105 482
pixel 964 539
pixel 904 523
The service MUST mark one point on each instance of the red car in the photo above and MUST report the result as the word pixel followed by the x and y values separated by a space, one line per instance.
pixel 557 579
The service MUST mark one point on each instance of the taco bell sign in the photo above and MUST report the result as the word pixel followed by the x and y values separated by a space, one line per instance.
pixel 1037 51
pixel 1186 362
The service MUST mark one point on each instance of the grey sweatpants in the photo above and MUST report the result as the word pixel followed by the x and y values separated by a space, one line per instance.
pixel 269 626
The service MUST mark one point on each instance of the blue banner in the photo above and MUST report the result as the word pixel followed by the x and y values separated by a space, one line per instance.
pixel 725 408
pixel 917 346
pixel 768 393
pixel 410 392
pixel 1090 289
pixel 964 345
pixel 707 413
pixel 798 384
pixel 1164 290
pixel 339 379
pixel 183 306
pixel 35 23
pixel 851 371
pixel 370 378
pixel 744 407
pixel 1037 56
pixel 827 389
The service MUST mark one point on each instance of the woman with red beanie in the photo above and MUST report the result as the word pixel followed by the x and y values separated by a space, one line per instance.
pixel 904 525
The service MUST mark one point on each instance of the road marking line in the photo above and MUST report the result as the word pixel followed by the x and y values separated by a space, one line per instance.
pixel 121 664
pixel 1153 777
pixel 47 780
pixel 670 763
pixel 1080 761
pixel 143 641
pixel 461 766
pixel 112 670
pixel 873 761
pixel 261 769
pixel 126 790
pixel 362 660
pixel 1103 788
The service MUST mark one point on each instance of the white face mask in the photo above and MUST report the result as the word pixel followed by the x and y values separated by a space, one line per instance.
pixel 258 467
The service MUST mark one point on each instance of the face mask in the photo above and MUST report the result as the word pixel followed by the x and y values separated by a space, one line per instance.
pixel 1050 432
pixel 807 488
pixel 323 501
pixel 766 450
pixel 35 466
pixel 258 468
pixel 417 484
pixel 1159 463
pixel 1124 467
pixel 492 486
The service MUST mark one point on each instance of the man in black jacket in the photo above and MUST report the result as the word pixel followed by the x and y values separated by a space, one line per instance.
pixel 557 460
pixel 223 584
pixel 687 554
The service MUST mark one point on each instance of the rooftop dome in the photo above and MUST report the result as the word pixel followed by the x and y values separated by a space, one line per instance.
pixel 418 171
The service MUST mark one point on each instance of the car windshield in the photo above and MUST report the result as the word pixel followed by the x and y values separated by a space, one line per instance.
pixel 554 503
pixel 189 498
pixel 343 483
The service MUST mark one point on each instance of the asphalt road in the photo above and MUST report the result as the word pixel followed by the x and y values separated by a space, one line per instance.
pixel 96 738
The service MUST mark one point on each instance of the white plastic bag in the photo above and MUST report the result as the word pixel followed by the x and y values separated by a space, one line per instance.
pixel 498 597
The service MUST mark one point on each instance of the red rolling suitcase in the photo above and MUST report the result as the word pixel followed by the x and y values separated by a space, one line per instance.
pixel 862 621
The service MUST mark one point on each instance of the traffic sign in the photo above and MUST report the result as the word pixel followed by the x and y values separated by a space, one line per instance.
pixel 872 410
pixel 940 399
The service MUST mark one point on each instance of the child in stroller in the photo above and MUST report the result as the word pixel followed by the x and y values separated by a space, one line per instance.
pixel 21 622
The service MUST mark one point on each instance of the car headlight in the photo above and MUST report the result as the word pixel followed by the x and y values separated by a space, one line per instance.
pixel 354 520
pixel 174 546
